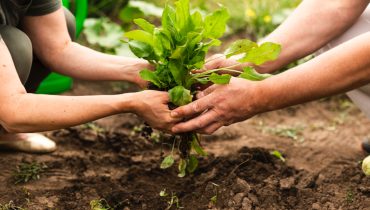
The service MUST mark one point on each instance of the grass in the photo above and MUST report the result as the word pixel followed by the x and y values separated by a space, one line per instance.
pixel 26 172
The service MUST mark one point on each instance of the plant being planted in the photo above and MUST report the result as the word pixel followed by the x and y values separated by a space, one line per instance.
pixel 180 46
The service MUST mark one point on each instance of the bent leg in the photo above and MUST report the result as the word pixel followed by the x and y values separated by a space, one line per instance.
pixel 20 48
pixel 360 96
pixel 38 71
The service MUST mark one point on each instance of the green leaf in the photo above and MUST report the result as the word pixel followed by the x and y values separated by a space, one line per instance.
pixel 127 14
pixel 266 52
pixel 182 168
pixel 167 162
pixel 220 79
pixel 157 43
pixel 251 74
pixel 178 53
pixel 163 193
pixel 140 35
pixel 192 164
pixel 278 155
pixel 177 70
pixel 150 76
pixel 145 25
pixel 239 47
pixel 215 23
pixel 180 96
pixel 168 18
pixel 197 20
pixel 196 146
pixel 182 15
pixel 140 49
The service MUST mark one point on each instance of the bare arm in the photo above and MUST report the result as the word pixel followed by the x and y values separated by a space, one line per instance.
pixel 23 112
pixel 52 44
pixel 312 25
pixel 338 70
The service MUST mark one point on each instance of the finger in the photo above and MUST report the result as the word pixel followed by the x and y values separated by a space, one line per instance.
pixel 193 108
pixel 209 90
pixel 206 92
pixel 211 128
pixel 197 123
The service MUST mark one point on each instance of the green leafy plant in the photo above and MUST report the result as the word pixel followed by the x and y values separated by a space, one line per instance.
pixel 26 172
pixel 178 47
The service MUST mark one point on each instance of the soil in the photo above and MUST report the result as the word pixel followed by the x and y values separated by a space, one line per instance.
pixel 106 160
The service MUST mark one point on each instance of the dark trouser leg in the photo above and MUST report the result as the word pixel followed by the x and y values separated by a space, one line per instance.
pixel 38 71
pixel 20 48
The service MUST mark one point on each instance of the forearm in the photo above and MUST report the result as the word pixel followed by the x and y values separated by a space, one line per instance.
pixel 83 63
pixel 34 113
pixel 313 24
pixel 341 69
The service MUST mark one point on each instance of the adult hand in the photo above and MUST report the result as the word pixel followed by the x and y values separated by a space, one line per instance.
pixel 152 106
pixel 220 61
pixel 220 105
pixel 135 72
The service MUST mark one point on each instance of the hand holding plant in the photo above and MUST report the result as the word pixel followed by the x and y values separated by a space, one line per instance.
pixel 179 47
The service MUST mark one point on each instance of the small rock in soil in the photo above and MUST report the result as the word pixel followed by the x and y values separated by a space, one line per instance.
pixel 241 186
pixel 247 204
pixel 316 206
pixel 238 198
pixel 287 183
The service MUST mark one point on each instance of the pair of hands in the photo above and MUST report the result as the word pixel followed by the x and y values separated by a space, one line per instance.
pixel 216 105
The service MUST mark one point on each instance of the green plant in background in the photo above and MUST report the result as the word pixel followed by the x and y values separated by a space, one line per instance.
pixel 263 16
pixel 26 172
pixel 180 46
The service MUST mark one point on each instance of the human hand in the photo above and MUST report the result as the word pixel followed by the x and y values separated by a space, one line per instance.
pixel 133 72
pixel 218 61
pixel 220 105
pixel 152 106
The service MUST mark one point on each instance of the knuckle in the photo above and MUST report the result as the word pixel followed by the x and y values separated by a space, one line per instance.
pixel 195 107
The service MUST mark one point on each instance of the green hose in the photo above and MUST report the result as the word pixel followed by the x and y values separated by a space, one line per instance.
pixel 56 83
pixel 80 13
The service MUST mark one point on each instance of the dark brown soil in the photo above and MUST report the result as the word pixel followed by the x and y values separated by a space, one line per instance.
pixel 322 171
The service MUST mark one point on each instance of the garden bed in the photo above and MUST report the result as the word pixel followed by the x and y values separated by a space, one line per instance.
pixel 108 162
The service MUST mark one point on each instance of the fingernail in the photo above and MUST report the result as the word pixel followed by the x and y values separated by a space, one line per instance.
pixel 174 114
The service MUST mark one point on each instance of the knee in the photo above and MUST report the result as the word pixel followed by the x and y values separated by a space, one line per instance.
pixel 20 48
pixel 71 23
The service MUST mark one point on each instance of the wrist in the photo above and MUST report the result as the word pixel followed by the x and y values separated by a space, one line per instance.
pixel 263 93
pixel 132 69
pixel 127 102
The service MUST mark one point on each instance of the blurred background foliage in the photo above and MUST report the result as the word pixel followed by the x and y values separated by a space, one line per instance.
pixel 108 19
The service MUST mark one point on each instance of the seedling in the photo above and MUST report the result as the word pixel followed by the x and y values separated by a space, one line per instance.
pixel 101 204
pixel 350 196
pixel 293 132
pixel 173 200
pixel 214 198
pixel 26 172
pixel 278 155
pixel 94 127
pixel 178 47
pixel 10 206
